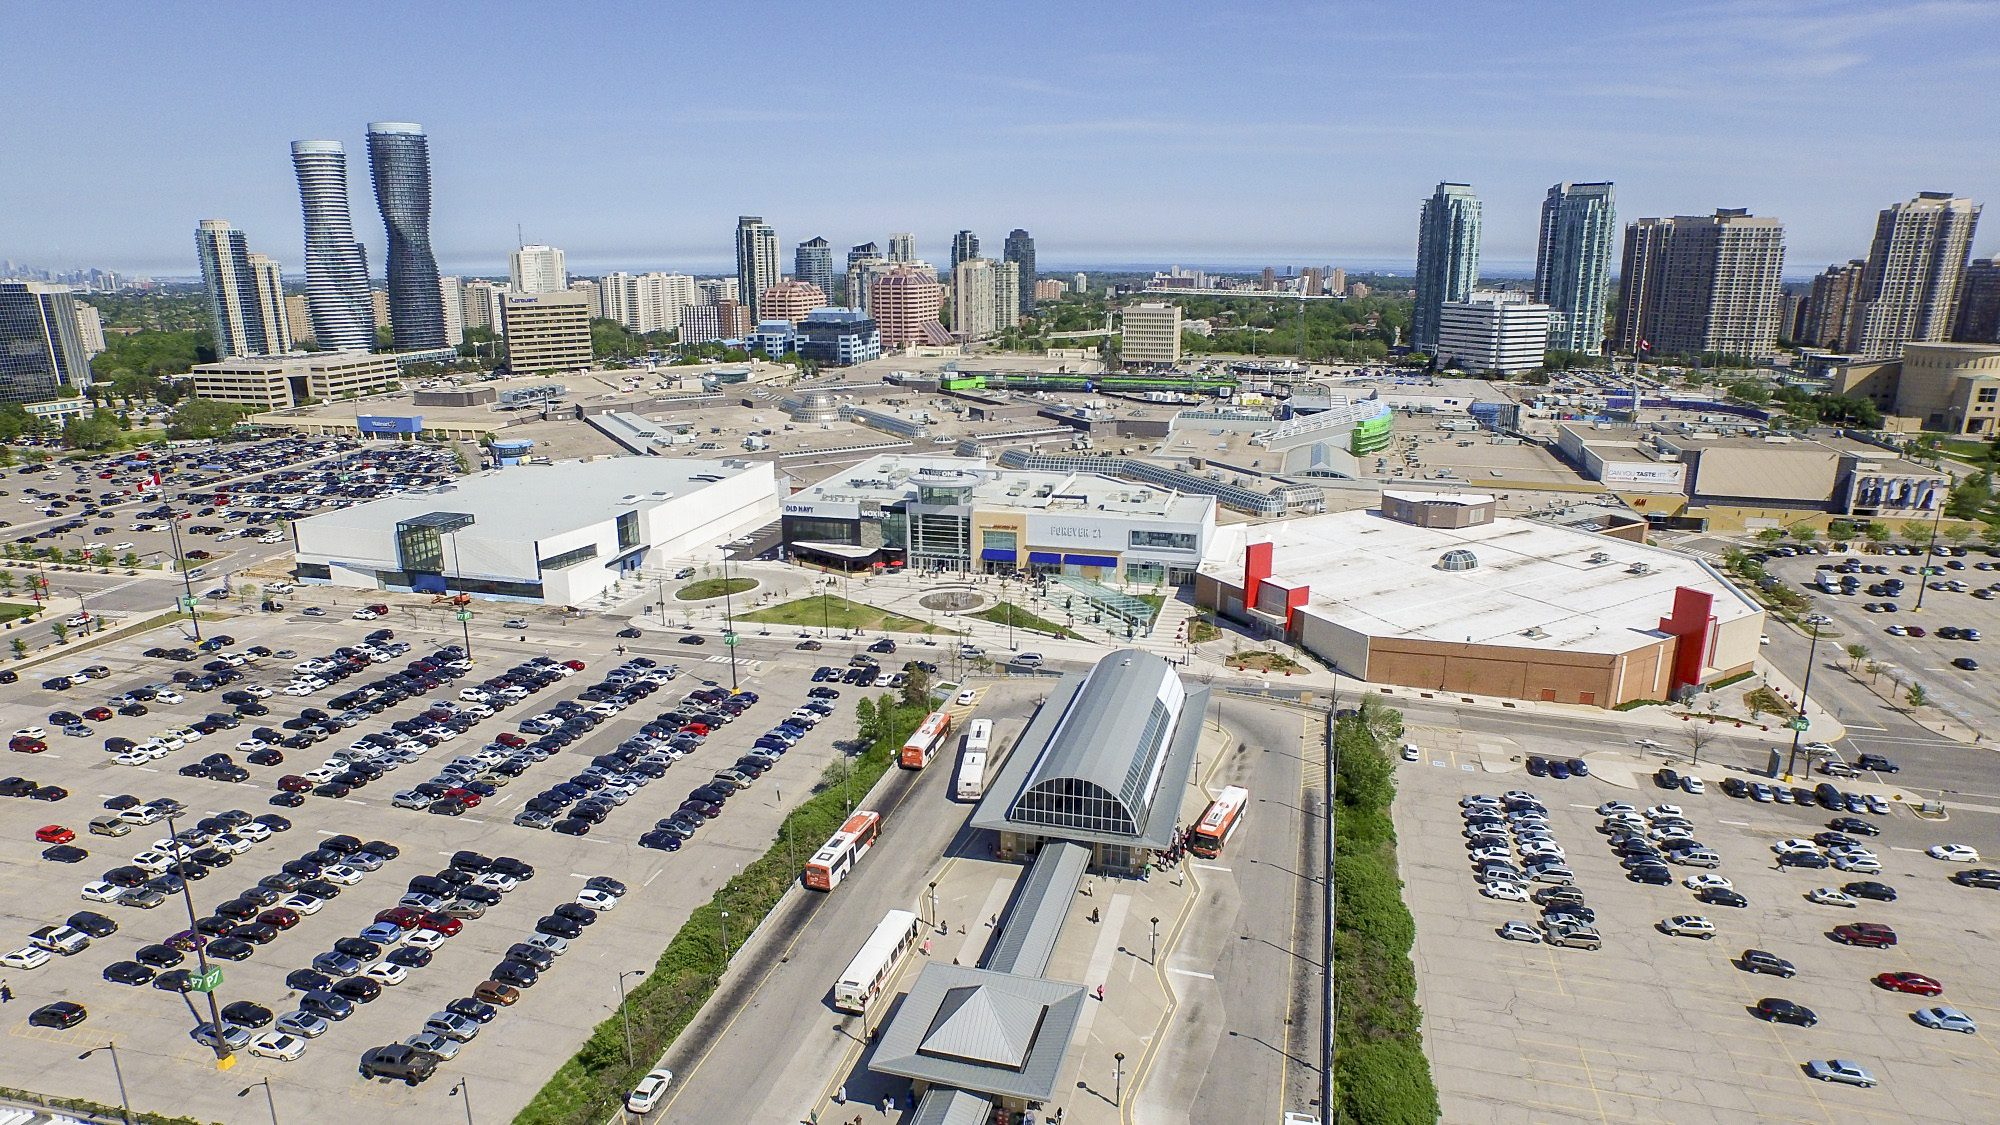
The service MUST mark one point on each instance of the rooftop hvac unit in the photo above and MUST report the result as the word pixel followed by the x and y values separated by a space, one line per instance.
pixel 1639 568
pixel 1600 557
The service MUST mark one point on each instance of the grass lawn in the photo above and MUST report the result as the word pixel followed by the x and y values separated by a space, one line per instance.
pixel 1265 661
pixel 838 613
pixel 1154 600
pixel 713 588
pixel 1022 619
pixel 11 610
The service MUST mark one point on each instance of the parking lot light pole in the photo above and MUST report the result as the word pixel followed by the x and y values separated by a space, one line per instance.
pixel 1930 556
pixel 269 1101
pixel 180 560
pixel 625 1015
pixel 1813 622
pixel 728 623
pixel 1156 939
pixel 224 1057
pixel 117 1072
pixel 934 909
pixel 1118 1079
pixel 464 1090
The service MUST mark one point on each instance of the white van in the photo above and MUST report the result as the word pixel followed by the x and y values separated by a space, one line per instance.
pixel 1028 659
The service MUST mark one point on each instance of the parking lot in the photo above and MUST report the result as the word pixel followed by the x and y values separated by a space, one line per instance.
pixel 165 1069
pixel 1653 1027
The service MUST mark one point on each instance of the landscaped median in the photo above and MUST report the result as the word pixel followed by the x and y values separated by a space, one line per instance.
pixel 1381 1076
pixel 593 1084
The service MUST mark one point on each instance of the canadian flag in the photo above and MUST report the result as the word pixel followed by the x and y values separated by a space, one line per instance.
pixel 1644 346
pixel 150 480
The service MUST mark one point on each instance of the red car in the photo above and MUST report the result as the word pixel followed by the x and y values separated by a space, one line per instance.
pixel 440 923
pixel 1874 935
pixel 283 917
pixel 293 783
pixel 1916 631
pixel 404 916
pixel 54 834
pixel 22 744
pixel 98 714
pixel 1915 983
pixel 576 665
pixel 465 797
pixel 510 739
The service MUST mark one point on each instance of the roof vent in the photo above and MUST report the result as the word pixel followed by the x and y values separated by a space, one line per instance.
pixel 1639 568
pixel 1600 558
pixel 1458 559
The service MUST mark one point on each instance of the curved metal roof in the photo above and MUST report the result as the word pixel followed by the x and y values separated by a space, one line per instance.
pixel 1101 765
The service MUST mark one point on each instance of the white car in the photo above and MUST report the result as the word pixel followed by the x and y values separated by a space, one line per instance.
pixel 1898 631
pixel 169 696
pixel 1953 853
pixel 556 946
pixel 1410 752
pixel 1520 931
pixel 98 891
pixel 1858 864
pixel 1506 892
pixel 431 1043
pixel 647 1094
pixel 258 690
pixel 31 732
pixel 253 832
pixel 231 842
pixel 387 973
pixel 596 900
pixel 26 957
pixel 515 623
pixel 1616 808
pixel 341 874
pixel 425 939
pixel 499 881
pixel 1947 1019
pixel 133 758
pixel 1693 785
pixel 1793 846
pixel 1707 881
pixel 1658 811
pixel 304 904
pixel 1828 896
pixel 967 697
pixel 252 745
pixel 153 861
pixel 1688 925
pixel 278 1045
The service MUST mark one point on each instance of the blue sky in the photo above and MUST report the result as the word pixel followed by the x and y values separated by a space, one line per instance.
pixel 632 135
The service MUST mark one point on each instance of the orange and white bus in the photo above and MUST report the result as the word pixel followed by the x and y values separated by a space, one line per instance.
pixel 925 741
pixel 831 863
pixel 1219 822
pixel 871 970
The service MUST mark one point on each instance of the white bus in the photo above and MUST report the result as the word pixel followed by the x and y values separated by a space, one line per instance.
pixel 970 784
pixel 871 970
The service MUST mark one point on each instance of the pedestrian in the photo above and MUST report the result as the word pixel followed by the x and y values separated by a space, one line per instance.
pixel 927 947
pixel 993 921
pixel 840 1096
pixel 885 1104
pixel 1100 993
pixel 6 993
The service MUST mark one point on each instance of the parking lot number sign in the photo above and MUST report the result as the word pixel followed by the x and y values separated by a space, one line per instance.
pixel 206 982
pixel 1798 724
pixel 465 615
pixel 729 639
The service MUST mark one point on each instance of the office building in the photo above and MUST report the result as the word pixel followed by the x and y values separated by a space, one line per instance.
pixel 972 300
pixel 1447 258
pixel 1828 306
pixel 1979 304
pixel 89 329
pixel 792 300
pixel 451 301
pixel 964 247
pixel 1433 590
pixel 904 301
pixel 593 296
pixel 1696 285
pixel 812 262
pixel 1152 334
pixel 343 314
pixel 861 275
pixel 1493 334
pixel 775 339
pixel 399 157
pixel 280 381
pixel 298 318
pixel 42 353
pixel 902 247
pixel 1948 387
pixel 1336 281
pixel 559 534
pixel 838 337
pixel 961 514
pixel 1020 250
pixel 537 269
pixel 240 289
pixel 756 262
pixel 547 331
pixel 726 319
pixel 1909 288
pixel 1573 263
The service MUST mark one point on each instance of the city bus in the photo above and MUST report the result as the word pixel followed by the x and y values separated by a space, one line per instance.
pixel 925 741
pixel 970 784
pixel 1219 822
pixel 831 863
pixel 871 970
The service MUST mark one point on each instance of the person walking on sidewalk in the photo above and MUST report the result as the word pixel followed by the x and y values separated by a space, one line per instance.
pixel 1100 993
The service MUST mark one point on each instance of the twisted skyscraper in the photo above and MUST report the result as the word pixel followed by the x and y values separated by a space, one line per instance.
pixel 399 156
pixel 343 311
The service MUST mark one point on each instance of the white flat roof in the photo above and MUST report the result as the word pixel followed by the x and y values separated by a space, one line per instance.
pixel 535 502
pixel 1534 587
pixel 894 476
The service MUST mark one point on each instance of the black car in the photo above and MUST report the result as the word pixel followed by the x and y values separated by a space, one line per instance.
pixel 508 865
pixel 1775 1010
pixel 159 956
pixel 60 1014
pixel 64 853
pixel 557 926
pixel 409 957
pixel 361 949
pixel 1653 875
pixel 1760 961
pixel 1854 826
pixel 361 990
pixel 274 822
pixel 1812 860
pixel 92 923
pixel 1719 896
pixel 128 973
pixel 174 980
pixel 1871 889
pixel 520 974
pixel 246 1014
pixel 308 980
pixel 478 1010
pixel 661 841
pixel 534 955
pixel 231 949
pixel 576 912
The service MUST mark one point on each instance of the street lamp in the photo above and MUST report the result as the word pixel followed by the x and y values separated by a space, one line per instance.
pixel 625 1015
pixel 224 1057
pixel 117 1072
pixel 728 622
pixel 1930 555
pixel 1156 940
pixel 180 560
pixel 934 909
pixel 1813 621
pixel 1118 1079
pixel 464 1090
pixel 268 1099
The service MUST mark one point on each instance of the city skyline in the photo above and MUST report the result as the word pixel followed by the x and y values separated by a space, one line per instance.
pixel 1097 187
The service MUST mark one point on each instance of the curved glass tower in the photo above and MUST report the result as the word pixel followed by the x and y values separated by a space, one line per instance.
pixel 399 155
pixel 343 311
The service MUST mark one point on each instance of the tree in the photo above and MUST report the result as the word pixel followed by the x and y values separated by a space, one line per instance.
pixel 20 648
pixel 1840 530
pixel 1699 735
pixel 1877 533
pixel 61 631
pixel 917 689
pixel 1958 534
pixel 1804 533
pixel 203 418
pixel 1856 653
pixel 1916 531
pixel 1917 696
pixel 869 724
pixel 128 560
pixel 1383 722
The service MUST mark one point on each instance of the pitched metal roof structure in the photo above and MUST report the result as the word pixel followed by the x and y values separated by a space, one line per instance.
pixel 977 1030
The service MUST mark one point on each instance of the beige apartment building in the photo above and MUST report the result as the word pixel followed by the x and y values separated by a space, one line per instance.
pixel 548 331
pixel 277 381
pixel 1152 334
